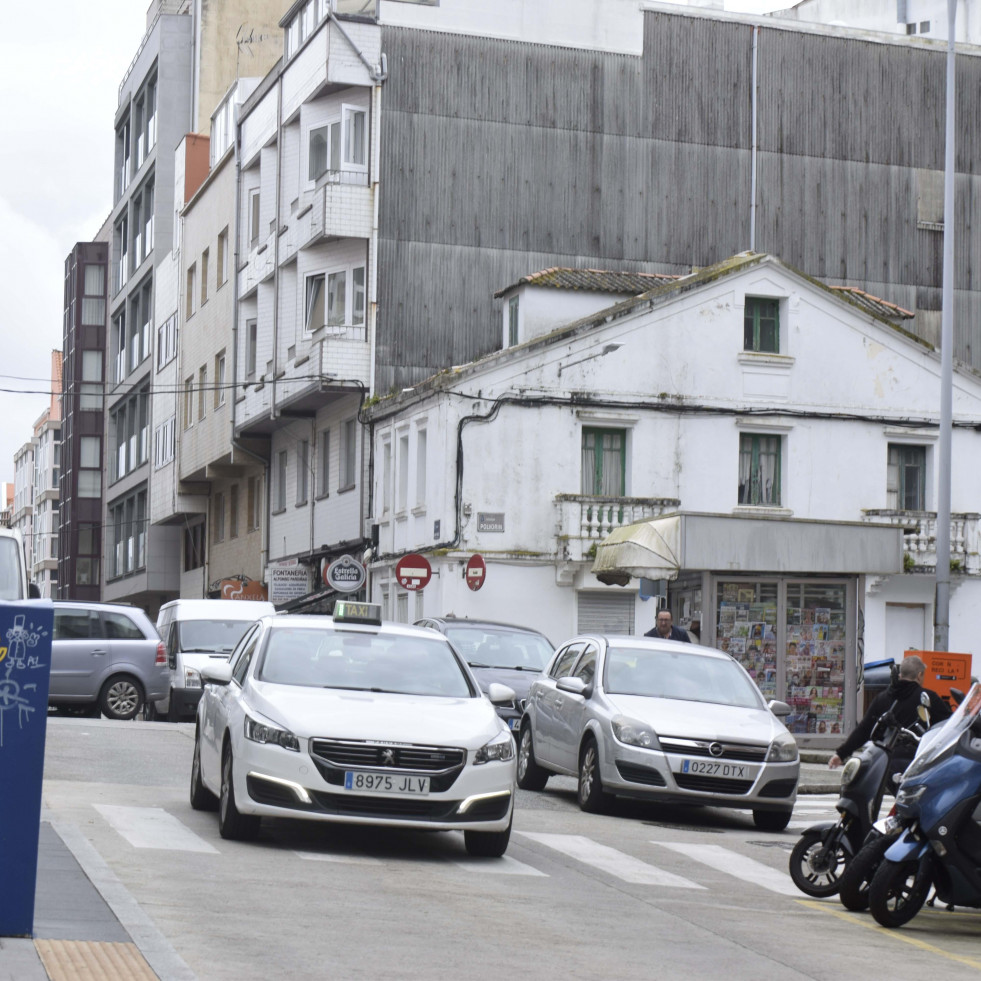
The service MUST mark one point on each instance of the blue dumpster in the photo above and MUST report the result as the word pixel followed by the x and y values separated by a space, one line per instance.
pixel 25 668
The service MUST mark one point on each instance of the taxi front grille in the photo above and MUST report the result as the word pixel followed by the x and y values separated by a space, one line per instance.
pixel 725 751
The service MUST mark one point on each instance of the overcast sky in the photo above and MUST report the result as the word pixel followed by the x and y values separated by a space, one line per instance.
pixel 60 68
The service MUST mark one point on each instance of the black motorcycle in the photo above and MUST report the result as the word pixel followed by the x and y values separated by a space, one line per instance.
pixel 822 854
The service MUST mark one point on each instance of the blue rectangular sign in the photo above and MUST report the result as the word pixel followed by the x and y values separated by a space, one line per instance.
pixel 25 669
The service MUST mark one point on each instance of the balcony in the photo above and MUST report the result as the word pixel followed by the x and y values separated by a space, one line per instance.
pixel 258 266
pixel 340 208
pixel 583 521
pixel 920 538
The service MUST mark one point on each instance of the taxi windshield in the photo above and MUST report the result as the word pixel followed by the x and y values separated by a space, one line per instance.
pixel 355 660
pixel 498 647
pixel 680 675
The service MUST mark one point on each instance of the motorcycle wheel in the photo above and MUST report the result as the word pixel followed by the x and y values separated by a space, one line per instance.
pixel 817 861
pixel 898 891
pixel 853 886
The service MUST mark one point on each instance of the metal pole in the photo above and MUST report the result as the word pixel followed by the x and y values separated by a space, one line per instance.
pixel 942 611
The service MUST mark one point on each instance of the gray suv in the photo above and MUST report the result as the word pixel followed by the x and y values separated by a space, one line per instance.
pixel 106 659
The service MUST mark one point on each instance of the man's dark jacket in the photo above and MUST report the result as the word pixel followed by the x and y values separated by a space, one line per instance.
pixel 908 696
pixel 676 634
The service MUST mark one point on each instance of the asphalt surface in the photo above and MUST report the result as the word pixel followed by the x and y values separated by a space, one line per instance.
pixel 79 901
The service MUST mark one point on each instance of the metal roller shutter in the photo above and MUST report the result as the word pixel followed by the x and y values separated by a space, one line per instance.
pixel 605 613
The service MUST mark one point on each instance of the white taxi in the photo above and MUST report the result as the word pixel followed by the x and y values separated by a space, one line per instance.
pixel 347 719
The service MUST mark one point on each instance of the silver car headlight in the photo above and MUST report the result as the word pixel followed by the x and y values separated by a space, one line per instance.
pixel 192 678
pixel 634 733
pixel 262 732
pixel 783 749
pixel 499 748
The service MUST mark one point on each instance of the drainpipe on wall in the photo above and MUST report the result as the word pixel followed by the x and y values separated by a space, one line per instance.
pixel 753 150
pixel 273 413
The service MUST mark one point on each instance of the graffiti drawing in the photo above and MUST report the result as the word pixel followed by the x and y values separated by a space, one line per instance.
pixel 16 657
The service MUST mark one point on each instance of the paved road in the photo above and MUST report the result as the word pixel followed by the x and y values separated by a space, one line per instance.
pixel 646 892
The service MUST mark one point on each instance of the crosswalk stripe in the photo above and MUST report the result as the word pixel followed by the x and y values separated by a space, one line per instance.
pixel 498 866
pixel 152 827
pixel 743 868
pixel 339 858
pixel 616 863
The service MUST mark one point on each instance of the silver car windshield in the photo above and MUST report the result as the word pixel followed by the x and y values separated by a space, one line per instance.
pixel 681 675
pixel 357 661
pixel 493 647
pixel 212 636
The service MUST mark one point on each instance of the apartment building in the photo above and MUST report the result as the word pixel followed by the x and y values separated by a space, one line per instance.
pixel 22 513
pixel 42 556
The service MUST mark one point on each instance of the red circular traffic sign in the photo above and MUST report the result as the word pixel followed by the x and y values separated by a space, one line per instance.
pixel 413 571
pixel 476 572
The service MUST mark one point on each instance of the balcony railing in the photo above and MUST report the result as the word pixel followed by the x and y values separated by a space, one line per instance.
pixel 583 521
pixel 920 538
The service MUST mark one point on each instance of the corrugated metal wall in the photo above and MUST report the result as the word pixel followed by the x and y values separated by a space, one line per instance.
pixel 502 158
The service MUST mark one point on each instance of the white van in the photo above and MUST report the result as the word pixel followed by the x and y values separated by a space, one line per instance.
pixel 195 631
pixel 14 585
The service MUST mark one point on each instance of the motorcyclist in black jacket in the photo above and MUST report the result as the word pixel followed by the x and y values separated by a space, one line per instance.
pixel 908 694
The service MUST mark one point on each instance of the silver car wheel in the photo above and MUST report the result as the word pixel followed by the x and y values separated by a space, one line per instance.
pixel 587 772
pixel 121 698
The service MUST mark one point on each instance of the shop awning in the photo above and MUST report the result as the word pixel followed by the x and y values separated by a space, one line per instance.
pixel 661 547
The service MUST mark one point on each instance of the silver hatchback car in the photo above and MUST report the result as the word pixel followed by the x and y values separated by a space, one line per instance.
pixel 106 659
pixel 658 719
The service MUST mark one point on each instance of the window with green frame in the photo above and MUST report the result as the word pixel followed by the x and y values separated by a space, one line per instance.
pixel 761 325
pixel 512 321
pixel 759 469
pixel 604 462
pixel 906 477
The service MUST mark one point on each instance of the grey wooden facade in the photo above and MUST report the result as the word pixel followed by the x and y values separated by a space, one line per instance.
pixel 501 158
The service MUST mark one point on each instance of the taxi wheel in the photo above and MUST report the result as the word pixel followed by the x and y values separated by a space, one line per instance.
pixel 488 844
pixel 202 799
pixel 232 824
pixel 592 798
pixel 530 775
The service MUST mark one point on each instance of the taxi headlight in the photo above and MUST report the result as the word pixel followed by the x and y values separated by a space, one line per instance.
pixel 192 678
pixel 499 748
pixel 783 749
pixel 850 770
pixel 634 733
pixel 262 732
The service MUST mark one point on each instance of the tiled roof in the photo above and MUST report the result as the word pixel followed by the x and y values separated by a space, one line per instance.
pixel 873 304
pixel 594 280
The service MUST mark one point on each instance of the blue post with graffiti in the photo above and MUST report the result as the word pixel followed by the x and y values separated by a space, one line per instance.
pixel 25 668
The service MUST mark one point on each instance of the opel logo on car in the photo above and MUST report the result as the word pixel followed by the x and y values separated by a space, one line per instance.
pixel 715 749
pixel 388 757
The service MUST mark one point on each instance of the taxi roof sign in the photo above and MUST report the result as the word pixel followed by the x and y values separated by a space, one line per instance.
pixel 347 612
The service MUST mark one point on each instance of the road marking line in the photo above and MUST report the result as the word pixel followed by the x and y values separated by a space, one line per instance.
pixel 338 857
pixel 884 931
pixel 743 868
pixel 152 827
pixel 616 863
pixel 505 865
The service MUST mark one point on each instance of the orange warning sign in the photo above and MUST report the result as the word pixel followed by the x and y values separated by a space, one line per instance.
pixel 945 670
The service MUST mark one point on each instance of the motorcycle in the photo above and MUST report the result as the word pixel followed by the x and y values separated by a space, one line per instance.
pixel 824 850
pixel 940 839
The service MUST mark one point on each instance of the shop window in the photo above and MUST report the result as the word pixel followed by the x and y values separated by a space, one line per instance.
pixel 906 477
pixel 759 470
pixel 761 325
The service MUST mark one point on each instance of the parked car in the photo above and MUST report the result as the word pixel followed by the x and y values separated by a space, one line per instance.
pixel 196 631
pixel 105 659
pixel 651 718
pixel 498 652
pixel 14 584
pixel 349 719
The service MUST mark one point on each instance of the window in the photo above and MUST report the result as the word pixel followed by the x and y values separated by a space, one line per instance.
pixel 222 264
pixel 302 471
pixel 123 137
pixel 421 467
pixel 318 152
pixel 93 300
pixel 128 431
pixel 188 402
pixel 204 277
pixel 202 389
pixel 905 477
pixel 254 503
pixel 194 547
pixel 233 511
pixel 604 463
pixel 761 325
pixel 254 218
pixel 314 307
pixel 512 321
pixel 336 298
pixel 118 346
pixel 348 466
pixel 357 306
pixel 91 397
pixel 219 379
pixel 386 487
pixel 323 463
pixel 167 341
pixel 163 443
pixel 759 469
pixel 127 535
pixel 402 466
pixel 281 462
pixel 251 338
pixel 189 294
pixel 120 249
pixel 90 464
pixel 355 137
pixel 218 517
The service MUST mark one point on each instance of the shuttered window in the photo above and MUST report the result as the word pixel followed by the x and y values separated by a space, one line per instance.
pixel 605 613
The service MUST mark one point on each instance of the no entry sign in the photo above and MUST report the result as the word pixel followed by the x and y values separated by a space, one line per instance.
pixel 413 571
pixel 476 572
